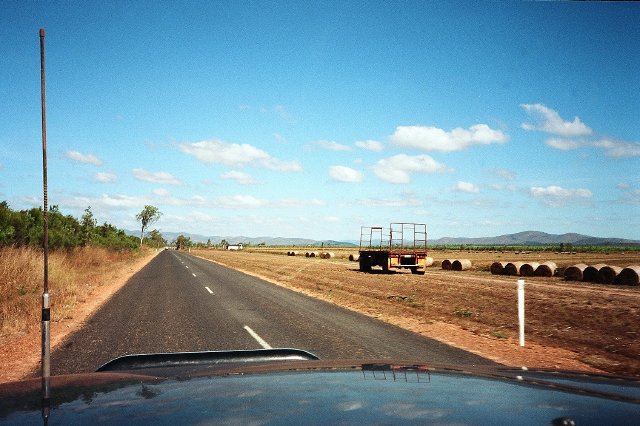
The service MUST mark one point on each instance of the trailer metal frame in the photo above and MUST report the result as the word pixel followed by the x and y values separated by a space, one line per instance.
pixel 401 245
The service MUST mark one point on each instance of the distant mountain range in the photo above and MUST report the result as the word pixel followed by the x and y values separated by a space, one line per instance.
pixel 254 241
pixel 532 238
pixel 527 238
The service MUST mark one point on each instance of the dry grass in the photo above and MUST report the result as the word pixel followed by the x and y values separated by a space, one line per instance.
pixel 73 275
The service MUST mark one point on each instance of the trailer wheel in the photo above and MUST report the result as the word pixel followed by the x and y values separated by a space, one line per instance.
pixel 415 270
pixel 365 263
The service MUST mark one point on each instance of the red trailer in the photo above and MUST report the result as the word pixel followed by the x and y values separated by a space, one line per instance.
pixel 401 245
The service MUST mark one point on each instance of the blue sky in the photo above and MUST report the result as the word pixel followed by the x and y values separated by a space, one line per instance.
pixel 311 119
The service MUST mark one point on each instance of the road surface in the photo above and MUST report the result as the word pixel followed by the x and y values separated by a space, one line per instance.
pixel 179 302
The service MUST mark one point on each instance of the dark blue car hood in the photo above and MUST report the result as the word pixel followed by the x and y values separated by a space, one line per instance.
pixel 316 392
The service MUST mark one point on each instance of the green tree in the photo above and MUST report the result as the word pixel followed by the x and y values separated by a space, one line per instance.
pixel 156 238
pixel 7 230
pixel 148 216
pixel 87 227
pixel 182 242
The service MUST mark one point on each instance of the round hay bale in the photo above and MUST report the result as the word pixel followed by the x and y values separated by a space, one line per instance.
pixel 428 261
pixel 546 269
pixel 354 257
pixel 461 264
pixel 575 272
pixel 630 275
pixel 608 274
pixel 307 254
pixel 529 269
pixel 497 268
pixel 313 254
pixel 513 268
pixel 327 255
pixel 590 273
pixel 446 265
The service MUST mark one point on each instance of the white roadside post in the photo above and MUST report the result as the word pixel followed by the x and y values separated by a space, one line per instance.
pixel 521 310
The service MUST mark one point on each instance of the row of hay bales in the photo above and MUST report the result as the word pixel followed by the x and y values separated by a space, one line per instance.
pixel 524 269
pixel 456 264
pixel 603 274
pixel 321 255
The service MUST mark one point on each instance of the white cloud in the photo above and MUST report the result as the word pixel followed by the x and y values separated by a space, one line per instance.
pixel 556 196
pixel 563 144
pixel 435 139
pixel 612 148
pixel 332 145
pixel 469 187
pixel 161 192
pixel 236 155
pixel 630 195
pixel 391 202
pixel 398 169
pixel 369 145
pixel 241 202
pixel 251 202
pixel 344 174
pixel 194 201
pixel 553 123
pixel 288 203
pixel 156 177
pixel 106 201
pixel 503 174
pixel 120 201
pixel 240 177
pixel 504 187
pixel 83 158
pixel 106 177
pixel 618 149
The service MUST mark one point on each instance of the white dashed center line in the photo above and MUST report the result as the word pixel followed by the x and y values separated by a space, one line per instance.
pixel 253 334
pixel 209 290
pixel 193 274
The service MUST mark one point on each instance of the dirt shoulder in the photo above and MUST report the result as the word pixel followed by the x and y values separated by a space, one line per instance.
pixel 573 326
pixel 20 355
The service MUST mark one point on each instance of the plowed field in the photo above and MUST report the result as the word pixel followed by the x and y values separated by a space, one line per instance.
pixel 569 325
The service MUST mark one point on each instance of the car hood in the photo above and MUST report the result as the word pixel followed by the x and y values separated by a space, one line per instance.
pixel 321 392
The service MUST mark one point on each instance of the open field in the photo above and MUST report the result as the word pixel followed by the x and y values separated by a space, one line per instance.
pixel 569 325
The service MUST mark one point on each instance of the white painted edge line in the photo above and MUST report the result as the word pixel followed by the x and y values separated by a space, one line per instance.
pixel 253 334
pixel 209 290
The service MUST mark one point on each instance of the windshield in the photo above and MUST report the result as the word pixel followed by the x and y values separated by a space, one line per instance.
pixel 357 180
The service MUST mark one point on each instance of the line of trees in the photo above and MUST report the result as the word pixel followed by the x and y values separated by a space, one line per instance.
pixel 25 228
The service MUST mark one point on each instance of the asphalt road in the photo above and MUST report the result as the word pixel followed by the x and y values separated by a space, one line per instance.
pixel 179 302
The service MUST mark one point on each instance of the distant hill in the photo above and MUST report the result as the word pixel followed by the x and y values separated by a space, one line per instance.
pixel 254 241
pixel 527 238
pixel 532 238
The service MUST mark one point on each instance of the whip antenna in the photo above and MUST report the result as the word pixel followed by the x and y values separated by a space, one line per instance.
pixel 46 311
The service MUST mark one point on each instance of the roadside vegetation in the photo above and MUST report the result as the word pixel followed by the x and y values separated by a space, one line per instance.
pixel 82 257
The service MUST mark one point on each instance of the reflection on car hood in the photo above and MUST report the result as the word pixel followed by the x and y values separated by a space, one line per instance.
pixel 321 392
